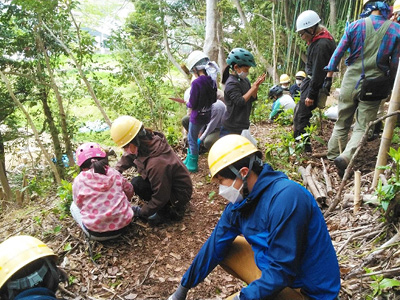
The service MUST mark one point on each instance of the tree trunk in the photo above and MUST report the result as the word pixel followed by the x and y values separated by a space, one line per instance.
pixel 332 16
pixel 270 69
pixel 63 118
pixel 3 175
pixel 221 51
pixel 53 132
pixel 28 118
pixel 211 40
pixel 168 50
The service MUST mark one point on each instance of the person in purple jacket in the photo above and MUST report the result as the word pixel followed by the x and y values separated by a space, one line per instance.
pixel 203 94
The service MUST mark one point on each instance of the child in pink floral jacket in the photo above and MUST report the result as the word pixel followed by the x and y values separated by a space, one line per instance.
pixel 101 195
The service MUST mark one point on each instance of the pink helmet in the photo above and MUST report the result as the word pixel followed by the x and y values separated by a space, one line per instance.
pixel 89 150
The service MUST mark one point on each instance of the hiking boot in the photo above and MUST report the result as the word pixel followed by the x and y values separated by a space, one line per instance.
pixel 341 164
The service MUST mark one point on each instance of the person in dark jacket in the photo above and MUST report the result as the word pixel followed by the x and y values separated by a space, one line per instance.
pixel 321 45
pixel 28 270
pixel 272 234
pixel 239 94
pixel 164 182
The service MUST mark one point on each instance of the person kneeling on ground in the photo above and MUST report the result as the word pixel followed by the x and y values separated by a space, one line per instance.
pixel 272 235
pixel 28 270
pixel 164 182
pixel 281 101
pixel 101 195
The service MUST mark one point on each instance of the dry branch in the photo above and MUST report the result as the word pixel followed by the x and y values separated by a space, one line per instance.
pixel 357 191
pixel 328 181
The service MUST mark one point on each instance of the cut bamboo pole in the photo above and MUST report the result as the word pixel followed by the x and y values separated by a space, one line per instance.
pixel 311 185
pixel 357 191
pixel 388 129
pixel 328 181
pixel 320 187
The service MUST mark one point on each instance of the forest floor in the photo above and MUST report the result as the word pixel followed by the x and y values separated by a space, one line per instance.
pixel 148 262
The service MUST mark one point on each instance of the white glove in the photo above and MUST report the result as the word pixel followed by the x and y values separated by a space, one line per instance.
pixel 180 293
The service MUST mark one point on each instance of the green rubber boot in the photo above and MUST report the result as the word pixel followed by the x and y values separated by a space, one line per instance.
pixel 192 163
pixel 187 156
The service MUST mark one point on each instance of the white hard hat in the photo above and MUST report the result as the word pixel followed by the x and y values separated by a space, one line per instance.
pixel 307 19
pixel 396 6
pixel 195 57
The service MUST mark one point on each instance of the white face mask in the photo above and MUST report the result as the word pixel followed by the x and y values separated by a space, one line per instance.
pixel 298 82
pixel 243 75
pixel 230 193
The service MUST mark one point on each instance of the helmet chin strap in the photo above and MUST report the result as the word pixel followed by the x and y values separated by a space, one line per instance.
pixel 244 179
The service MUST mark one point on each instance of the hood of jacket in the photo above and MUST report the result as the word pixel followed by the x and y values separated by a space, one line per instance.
pixel 266 178
pixel 100 182
pixel 156 146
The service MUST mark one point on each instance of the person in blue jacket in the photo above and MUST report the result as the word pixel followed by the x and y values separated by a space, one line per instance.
pixel 272 234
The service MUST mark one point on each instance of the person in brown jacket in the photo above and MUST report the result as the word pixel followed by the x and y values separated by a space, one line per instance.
pixel 164 182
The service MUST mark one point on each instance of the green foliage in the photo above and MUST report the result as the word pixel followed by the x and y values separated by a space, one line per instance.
pixel 285 118
pixel 380 285
pixel 387 194
pixel 281 155
pixel 65 193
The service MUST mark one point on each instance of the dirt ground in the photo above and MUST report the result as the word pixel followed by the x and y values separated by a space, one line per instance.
pixel 148 262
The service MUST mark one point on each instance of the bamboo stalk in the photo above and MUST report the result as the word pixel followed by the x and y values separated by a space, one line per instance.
pixel 388 130
pixel 320 187
pixel 311 185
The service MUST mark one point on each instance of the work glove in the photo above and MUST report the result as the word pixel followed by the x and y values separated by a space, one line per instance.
pixel 327 85
pixel 198 143
pixel 180 293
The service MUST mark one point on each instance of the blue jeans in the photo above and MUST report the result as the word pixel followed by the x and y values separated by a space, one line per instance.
pixel 193 135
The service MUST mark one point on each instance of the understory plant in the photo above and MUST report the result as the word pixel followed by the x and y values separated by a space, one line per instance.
pixel 380 285
pixel 388 193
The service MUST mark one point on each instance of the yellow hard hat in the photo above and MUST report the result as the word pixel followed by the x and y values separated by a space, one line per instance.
pixel 17 252
pixel 124 129
pixel 301 74
pixel 284 78
pixel 228 150
pixel 396 6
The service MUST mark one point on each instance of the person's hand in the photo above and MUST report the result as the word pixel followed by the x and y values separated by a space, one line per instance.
pixel 309 102
pixel 198 143
pixel 180 293
pixel 260 80
pixel 327 85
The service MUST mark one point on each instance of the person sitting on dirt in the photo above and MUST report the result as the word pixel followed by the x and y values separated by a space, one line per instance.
pixel 239 94
pixel 28 270
pixel 281 102
pixel 209 134
pixel 101 195
pixel 295 88
pixel 203 94
pixel 164 182
pixel 284 81
pixel 272 234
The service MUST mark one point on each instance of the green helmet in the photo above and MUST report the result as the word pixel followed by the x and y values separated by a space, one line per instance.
pixel 241 57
